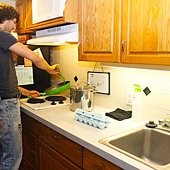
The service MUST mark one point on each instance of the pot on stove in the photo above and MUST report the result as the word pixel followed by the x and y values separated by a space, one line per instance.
pixel 82 98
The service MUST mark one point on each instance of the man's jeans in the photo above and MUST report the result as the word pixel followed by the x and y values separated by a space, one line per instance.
pixel 10 134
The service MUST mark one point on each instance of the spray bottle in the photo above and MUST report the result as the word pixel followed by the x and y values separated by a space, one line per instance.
pixel 137 105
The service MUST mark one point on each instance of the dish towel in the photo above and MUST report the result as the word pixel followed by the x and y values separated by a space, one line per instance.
pixel 119 114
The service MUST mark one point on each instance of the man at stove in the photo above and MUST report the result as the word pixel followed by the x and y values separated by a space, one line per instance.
pixel 10 122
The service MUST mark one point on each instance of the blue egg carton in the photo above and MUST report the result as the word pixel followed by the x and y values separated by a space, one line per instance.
pixel 92 119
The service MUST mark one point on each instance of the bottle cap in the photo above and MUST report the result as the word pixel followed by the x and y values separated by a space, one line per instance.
pixel 137 88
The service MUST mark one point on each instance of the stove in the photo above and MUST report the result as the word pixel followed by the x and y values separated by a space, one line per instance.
pixel 45 103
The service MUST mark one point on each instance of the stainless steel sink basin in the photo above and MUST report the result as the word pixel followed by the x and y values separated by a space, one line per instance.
pixel 149 146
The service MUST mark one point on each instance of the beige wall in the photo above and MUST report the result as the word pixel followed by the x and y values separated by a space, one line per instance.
pixel 156 104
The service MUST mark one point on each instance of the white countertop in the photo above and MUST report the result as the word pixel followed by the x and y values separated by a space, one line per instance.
pixel 62 120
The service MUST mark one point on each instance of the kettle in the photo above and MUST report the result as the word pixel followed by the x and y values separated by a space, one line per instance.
pixel 82 98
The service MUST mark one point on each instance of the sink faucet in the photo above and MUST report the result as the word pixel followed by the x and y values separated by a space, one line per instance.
pixel 165 122
pixel 162 125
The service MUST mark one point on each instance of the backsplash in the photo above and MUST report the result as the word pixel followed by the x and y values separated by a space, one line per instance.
pixel 156 104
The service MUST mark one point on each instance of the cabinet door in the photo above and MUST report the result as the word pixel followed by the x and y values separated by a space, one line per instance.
pixel 146 32
pixel 95 162
pixel 99 30
pixel 25 18
pixel 21 9
pixel 25 24
pixel 29 135
pixel 28 13
pixel 52 160
pixel 66 147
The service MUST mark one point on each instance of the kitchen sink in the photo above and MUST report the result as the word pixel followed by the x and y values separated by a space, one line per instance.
pixel 150 146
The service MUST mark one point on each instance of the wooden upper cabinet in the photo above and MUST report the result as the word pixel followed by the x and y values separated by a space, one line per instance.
pixel 146 32
pixel 99 30
pixel 25 25
pixel 25 18
pixel 21 9
pixel 28 13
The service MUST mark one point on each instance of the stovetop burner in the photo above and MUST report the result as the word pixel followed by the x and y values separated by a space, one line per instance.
pixel 55 98
pixel 45 102
pixel 35 100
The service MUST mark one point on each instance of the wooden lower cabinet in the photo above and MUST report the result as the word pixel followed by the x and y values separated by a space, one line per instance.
pixel 66 152
pixel 91 161
pixel 29 138
pixel 49 159
pixel 46 149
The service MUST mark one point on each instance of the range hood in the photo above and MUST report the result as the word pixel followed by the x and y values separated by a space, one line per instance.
pixel 56 36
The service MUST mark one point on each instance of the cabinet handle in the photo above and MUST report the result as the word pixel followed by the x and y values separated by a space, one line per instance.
pixel 56 137
pixel 123 46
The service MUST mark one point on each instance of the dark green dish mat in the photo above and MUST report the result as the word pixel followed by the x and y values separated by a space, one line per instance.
pixel 119 114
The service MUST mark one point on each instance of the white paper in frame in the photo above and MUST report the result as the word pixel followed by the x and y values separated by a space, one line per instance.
pixel 101 81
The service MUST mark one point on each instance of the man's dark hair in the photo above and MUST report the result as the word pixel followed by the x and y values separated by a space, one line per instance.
pixel 7 12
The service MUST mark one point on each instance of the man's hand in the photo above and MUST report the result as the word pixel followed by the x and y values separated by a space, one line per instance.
pixel 29 93
pixel 55 69
pixel 33 93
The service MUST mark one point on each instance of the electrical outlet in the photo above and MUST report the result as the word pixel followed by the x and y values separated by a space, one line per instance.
pixel 101 81
pixel 130 97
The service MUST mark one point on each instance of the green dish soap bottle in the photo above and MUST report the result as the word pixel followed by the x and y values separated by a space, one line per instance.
pixel 137 105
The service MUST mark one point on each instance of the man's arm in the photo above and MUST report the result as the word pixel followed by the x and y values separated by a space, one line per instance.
pixel 21 50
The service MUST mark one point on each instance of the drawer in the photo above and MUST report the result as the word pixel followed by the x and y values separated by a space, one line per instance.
pixel 61 144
